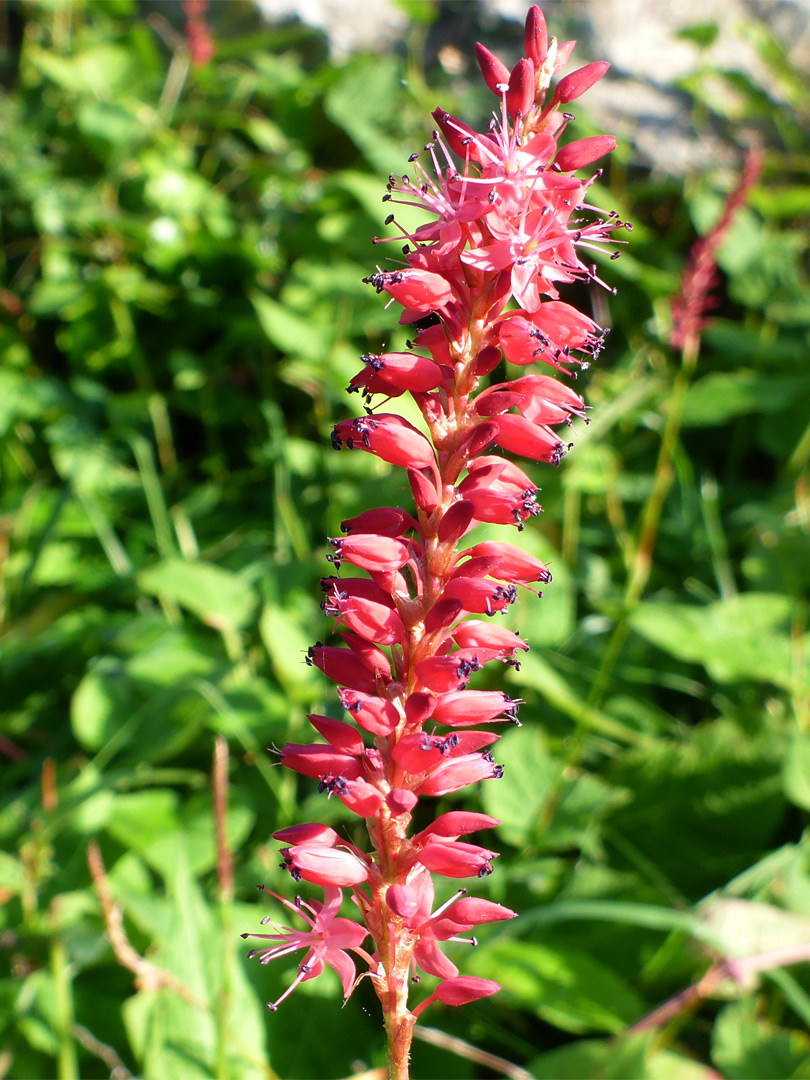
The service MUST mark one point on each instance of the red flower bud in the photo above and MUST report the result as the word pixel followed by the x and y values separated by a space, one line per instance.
pixel 399 801
pixel 520 436
pixel 574 85
pixel 520 95
pixel 359 796
pixel 506 562
pixel 371 713
pixel 460 138
pixel 443 673
pixel 582 152
pixel 385 520
pixel 455 773
pixel 337 734
pixel 459 991
pixel 403 900
pixel 417 290
pixel 423 491
pixel 319 835
pixel 324 866
pixel 474 634
pixel 387 436
pixel 481 596
pixel 452 858
pixel 418 752
pixel 535 36
pixel 341 666
pixel 317 760
pixel 463 708
pixel 441 615
pixel 369 551
pixel 495 72
pixel 475 910
pixel 405 371
pixel 455 522
pixel 456 823
pixel 418 708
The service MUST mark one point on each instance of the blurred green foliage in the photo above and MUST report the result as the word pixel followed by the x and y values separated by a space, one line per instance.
pixel 182 252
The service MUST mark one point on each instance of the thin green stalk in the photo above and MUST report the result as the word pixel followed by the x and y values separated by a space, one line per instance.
pixel 67 1065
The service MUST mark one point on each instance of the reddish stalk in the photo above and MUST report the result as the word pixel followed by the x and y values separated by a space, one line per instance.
pixel 508 221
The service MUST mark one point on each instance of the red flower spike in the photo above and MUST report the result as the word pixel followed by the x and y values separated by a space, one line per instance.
pixel 494 71
pixel 507 226
pixel 574 85
pixel 535 36
pixel 576 155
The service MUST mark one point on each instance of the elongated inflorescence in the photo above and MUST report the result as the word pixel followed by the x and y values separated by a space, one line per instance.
pixel 416 606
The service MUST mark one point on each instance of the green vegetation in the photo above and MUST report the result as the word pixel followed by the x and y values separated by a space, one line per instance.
pixel 181 310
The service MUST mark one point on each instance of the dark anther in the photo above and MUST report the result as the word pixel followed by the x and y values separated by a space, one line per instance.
pixel 386 197
pixel 251 953
pixel 413 157
pixel 615 255
pixel 569 116
pixel 272 1006
pixel 389 219
pixel 485 870
pixel 498 773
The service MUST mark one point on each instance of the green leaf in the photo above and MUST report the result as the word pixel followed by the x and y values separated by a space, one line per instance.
pixel 215 595
pixel 738 638
pixel 745 1046
pixel 518 799
pixel 796 770
pixel 561 984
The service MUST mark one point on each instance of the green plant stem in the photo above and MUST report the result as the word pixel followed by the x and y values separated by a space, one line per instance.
pixel 67 1064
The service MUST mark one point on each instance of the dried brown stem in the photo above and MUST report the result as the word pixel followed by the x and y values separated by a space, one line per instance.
pixel 148 976
pixel 219 798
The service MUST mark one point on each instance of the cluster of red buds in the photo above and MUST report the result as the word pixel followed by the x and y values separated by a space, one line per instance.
pixel 478 284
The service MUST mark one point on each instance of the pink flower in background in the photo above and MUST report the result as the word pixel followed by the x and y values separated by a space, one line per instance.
pixel 417 612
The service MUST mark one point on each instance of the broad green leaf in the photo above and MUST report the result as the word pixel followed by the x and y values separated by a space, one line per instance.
pixel 216 596
pixel 745 1046
pixel 740 638
pixel 796 770
pixel 562 985
pixel 519 797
